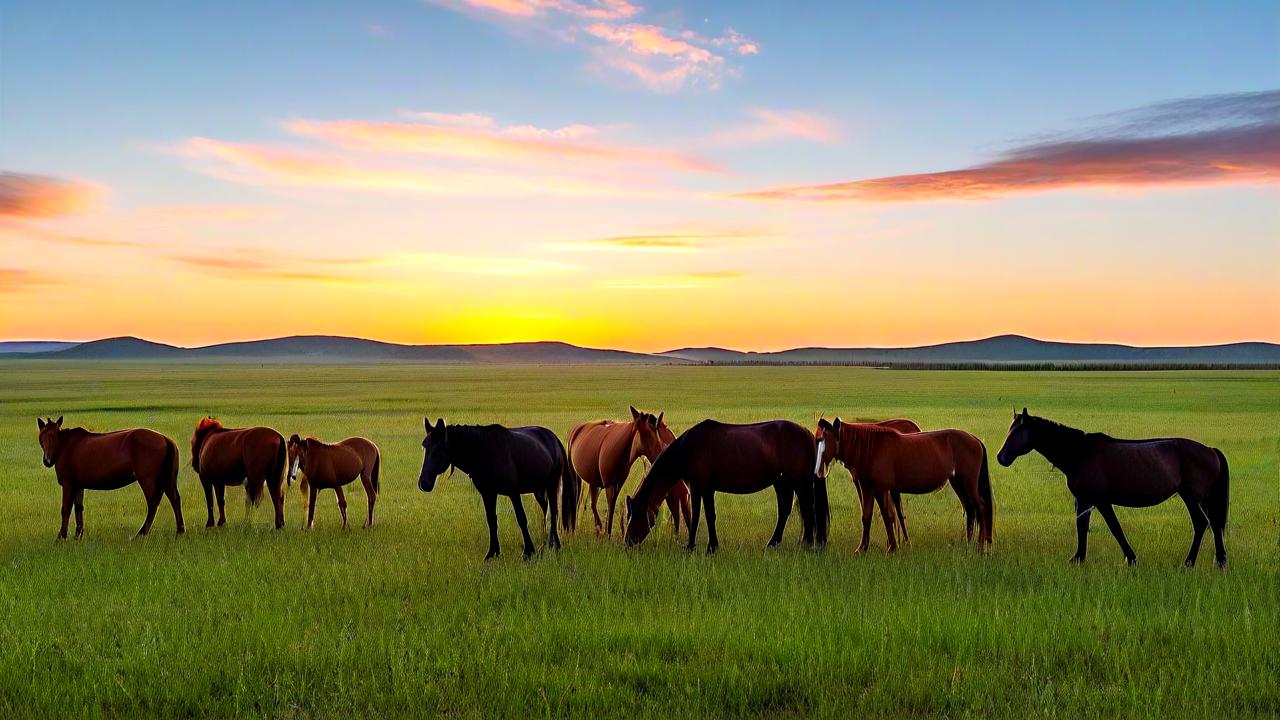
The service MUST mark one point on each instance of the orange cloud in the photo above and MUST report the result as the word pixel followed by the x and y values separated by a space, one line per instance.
pixel 235 263
pixel 29 231
pixel 14 280
pixel 39 196
pixel 258 165
pixel 679 242
pixel 772 125
pixel 682 281
pixel 660 61
pixel 1217 140
pixel 487 142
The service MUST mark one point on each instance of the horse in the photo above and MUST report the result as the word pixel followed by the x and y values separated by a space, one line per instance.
pixel 740 459
pixel 601 454
pixel 253 456
pixel 902 425
pixel 1103 471
pixel 505 461
pixel 324 466
pixel 84 460
pixel 885 460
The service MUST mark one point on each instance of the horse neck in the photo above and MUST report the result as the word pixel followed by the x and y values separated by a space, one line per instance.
pixel 857 445
pixel 466 447
pixel 663 476
pixel 1059 444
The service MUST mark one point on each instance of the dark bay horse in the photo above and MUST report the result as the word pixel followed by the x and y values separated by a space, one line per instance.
pixel 84 460
pixel 885 460
pixel 254 457
pixel 902 425
pixel 602 453
pixel 505 461
pixel 324 467
pixel 740 459
pixel 1103 471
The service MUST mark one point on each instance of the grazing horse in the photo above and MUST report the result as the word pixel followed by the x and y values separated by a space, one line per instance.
pixel 505 461
pixel 84 460
pixel 253 456
pixel 602 453
pixel 740 459
pixel 902 425
pixel 1103 471
pixel 884 460
pixel 324 466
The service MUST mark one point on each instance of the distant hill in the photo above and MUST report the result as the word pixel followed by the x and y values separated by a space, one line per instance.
pixel 321 348
pixel 1002 349
pixel 34 346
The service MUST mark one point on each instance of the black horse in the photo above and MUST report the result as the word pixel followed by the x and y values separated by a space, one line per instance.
pixel 505 461
pixel 740 459
pixel 1103 471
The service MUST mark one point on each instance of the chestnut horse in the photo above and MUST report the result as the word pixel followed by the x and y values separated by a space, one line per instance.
pixel 1103 471
pixel 902 425
pixel 885 460
pixel 84 460
pixel 324 466
pixel 740 459
pixel 602 453
pixel 505 461
pixel 253 456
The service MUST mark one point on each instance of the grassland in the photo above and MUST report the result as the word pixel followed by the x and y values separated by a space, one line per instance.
pixel 404 619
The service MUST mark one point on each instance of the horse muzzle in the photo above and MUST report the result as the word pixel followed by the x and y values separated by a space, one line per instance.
pixel 1004 459
pixel 47 462
pixel 425 484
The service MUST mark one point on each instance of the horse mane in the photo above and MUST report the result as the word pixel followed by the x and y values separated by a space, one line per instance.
pixel 207 424
pixel 858 442
pixel 1053 426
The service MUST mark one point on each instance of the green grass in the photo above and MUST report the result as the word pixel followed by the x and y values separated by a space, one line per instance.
pixel 405 619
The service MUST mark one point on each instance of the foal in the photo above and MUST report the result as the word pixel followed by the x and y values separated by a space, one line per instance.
pixel 324 466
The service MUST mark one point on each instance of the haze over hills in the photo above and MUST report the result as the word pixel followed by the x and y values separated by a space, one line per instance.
pixel 1000 350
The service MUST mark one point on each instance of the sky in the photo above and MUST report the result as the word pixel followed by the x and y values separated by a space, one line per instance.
pixel 638 174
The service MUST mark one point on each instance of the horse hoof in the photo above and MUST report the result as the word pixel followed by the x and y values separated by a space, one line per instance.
pixel 712 550
pixel 222 522
pixel 209 524
pixel 1077 559
pixel 1131 561
pixel 1222 563
pixel 492 554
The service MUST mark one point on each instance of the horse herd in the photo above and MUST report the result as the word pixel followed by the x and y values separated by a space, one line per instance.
pixel 886 460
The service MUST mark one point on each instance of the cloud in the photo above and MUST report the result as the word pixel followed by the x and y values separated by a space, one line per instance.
pixel 593 9
pixel 772 125
pixel 40 196
pixel 30 231
pixel 660 61
pixel 671 242
pixel 1215 140
pixel 267 166
pixel 227 213
pixel 684 281
pixel 477 137
pixel 486 265
pixel 13 280
pixel 257 264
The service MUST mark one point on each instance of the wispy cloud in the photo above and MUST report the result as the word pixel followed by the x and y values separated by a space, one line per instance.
pixel 478 137
pixel 40 233
pixel 690 241
pixel 269 166
pixel 257 264
pixel 1215 140
pixel 662 59
pixel 13 280
pixel 774 125
pixel 24 195
pixel 227 213
pixel 486 265
pixel 680 281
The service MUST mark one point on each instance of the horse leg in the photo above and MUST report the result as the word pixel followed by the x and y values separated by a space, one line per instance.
pixel 693 524
pixel 79 513
pixel 785 498
pixel 491 516
pixel 277 499
pixel 595 495
pixel 1199 521
pixel 342 506
pixel 371 495
pixel 611 496
pixel 552 531
pixel 902 518
pixel 175 502
pixel 808 520
pixel 221 491
pixel 673 508
pixel 523 522
pixel 713 543
pixel 887 512
pixel 1113 522
pixel 868 505
pixel 312 492
pixel 208 501
pixel 153 503
pixel 68 499
pixel 967 504
pixel 1083 511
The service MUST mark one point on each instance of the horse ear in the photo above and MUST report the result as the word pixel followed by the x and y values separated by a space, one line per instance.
pixel 635 414
pixel 294 439
pixel 660 417
pixel 822 423
pixel 426 424
pixel 58 422
pixel 40 422
pixel 440 424
pixel 1024 412
pixel 836 425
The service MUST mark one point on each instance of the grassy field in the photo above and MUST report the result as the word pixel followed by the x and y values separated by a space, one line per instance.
pixel 405 619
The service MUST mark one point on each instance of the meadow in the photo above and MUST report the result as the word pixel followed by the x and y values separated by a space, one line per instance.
pixel 405 619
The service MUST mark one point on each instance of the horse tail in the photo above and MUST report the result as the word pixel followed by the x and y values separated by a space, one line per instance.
pixel 169 471
pixel 1219 492
pixel 569 483
pixel 984 492
pixel 377 467
pixel 254 486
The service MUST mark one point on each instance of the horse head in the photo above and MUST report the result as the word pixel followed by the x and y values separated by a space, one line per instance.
pixel 297 449
pixel 50 440
pixel 647 439
pixel 827 436
pixel 1019 441
pixel 435 459
pixel 203 428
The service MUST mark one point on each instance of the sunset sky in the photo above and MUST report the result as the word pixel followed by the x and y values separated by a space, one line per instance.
pixel 640 175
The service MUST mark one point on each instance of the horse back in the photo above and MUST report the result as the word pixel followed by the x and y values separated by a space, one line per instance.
pixel 599 450
pixel 342 462
pixel 931 456
pixel 106 461
pixel 234 455
pixel 1138 473
pixel 748 458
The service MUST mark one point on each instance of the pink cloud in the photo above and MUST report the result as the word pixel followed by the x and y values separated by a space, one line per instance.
pixel 39 196
pixel 14 280
pixel 772 125
pixel 591 9
pixel 660 61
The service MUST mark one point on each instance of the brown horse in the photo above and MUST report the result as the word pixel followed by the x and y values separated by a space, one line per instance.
pixel 1103 471
pixel 84 460
pixel 740 459
pixel 324 466
pixel 885 460
pixel 253 456
pixel 902 425
pixel 602 453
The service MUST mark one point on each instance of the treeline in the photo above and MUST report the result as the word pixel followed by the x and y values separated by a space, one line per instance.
pixel 1027 366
